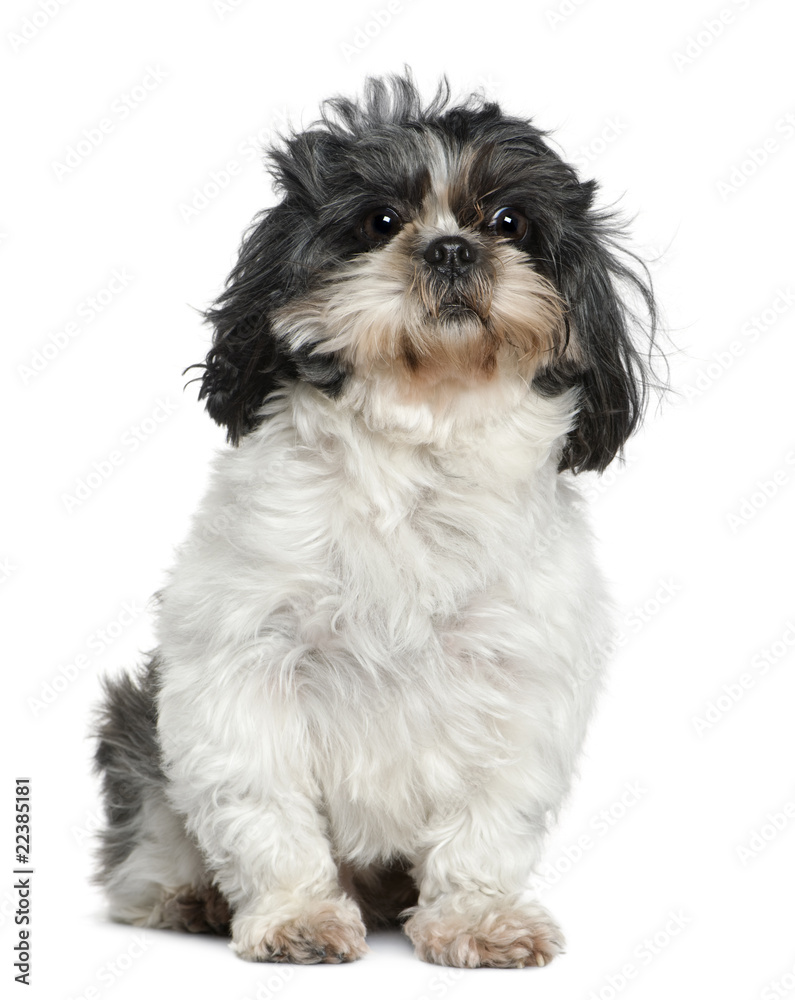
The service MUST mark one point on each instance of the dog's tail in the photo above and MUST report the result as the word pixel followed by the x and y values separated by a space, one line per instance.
pixel 128 759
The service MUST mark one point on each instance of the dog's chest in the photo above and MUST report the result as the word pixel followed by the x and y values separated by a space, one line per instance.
pixel 422 638
pixel 408 559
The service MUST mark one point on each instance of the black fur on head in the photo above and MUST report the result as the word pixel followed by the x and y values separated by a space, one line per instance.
pixel 375 152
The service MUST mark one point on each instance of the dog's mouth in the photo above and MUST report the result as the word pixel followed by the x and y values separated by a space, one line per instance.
pixel 458 301
pixel 451 311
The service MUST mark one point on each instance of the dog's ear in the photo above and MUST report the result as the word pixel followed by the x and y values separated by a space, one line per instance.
pixel 247 363
pixel 610 312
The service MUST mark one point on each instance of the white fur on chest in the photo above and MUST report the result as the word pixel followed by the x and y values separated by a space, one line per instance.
pixel 391 619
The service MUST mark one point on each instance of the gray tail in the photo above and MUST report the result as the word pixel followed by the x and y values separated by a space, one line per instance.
pixel 128 759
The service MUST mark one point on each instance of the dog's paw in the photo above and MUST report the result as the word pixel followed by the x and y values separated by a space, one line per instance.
pixel 319 931
pixel 509 938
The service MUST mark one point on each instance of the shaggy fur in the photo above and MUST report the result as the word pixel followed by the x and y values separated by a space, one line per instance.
pixel 379 647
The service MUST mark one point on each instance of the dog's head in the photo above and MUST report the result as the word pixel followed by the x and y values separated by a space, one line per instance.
pixel 430 245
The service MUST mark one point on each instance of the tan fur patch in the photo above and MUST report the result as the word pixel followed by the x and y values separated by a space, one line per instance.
pixel 325 932
pixel 510 939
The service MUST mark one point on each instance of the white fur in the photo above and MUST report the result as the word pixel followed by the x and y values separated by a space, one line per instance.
pixel 381 637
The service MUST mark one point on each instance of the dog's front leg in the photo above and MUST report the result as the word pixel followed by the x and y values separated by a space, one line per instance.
pixel 251 803
pixel 290 907
pixel 473 906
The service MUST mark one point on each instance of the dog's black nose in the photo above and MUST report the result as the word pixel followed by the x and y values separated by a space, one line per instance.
pixel 450 255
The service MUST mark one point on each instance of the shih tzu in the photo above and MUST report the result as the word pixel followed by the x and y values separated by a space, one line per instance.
pixel 380 644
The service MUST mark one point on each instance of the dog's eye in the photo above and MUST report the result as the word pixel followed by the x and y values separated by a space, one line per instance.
pixel 510 224
pixel 381 225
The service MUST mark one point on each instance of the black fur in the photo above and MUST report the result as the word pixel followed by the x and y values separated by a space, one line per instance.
pixel 128 758
pixel 615 377
pixel 374 152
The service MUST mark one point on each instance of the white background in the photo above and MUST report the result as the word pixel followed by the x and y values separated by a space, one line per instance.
pixel 679 115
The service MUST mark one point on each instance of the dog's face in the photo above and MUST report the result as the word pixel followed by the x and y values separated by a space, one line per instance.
pixel 428 246
pixel 436 280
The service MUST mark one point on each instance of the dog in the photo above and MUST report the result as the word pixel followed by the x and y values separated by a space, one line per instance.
pixel 380 645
